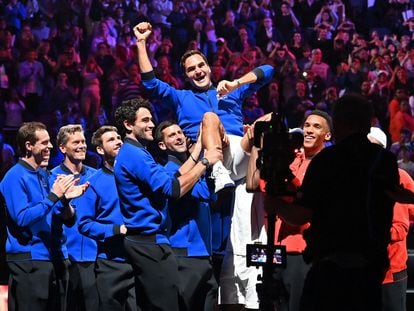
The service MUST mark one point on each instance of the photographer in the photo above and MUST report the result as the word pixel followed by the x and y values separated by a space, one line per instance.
pixel 346 195
pixel 316 131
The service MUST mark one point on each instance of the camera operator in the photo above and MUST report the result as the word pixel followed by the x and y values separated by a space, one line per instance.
pixel 346 195
pixel 316 131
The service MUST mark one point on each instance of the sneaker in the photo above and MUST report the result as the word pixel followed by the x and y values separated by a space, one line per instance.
pixel 221 177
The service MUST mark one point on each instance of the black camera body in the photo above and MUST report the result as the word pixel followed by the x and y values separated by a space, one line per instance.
pixel 278 149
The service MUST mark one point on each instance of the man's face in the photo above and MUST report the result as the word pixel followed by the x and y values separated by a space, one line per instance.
pixel 323 34
pixel 400 94
pixel 267 22
pixel 173 139
pixel 301 89
pixel 401 74
pixel 41 149
pixel 404 138
pixel 75 148
pixel 281 53
pixel 315 133
pixel 317 56
pixel 365 86
pixel 143 125
pixel 356 64
pixel 111 143
pixel 31 56
pixel 198 72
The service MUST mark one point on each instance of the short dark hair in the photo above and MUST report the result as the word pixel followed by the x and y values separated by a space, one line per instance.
pixel 158 135
pixel 191 53
pixel 353 112
pixel 127 111
pixel 27 132
pixel 96 139
pixel 321 114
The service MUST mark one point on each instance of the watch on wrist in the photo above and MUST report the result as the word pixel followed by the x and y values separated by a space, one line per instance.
pixel 205 162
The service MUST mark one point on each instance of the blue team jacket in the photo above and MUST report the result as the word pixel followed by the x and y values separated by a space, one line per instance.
pixel 191 105
pixel 100 217
pixel 80 247
pixel 34 227
pixel 143 187
pixel 190 223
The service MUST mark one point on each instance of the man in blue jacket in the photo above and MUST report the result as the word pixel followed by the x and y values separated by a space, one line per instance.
pixel 100 218
pixel 219 109
pixel 82 292
pixel 35 248
pixel 190 225
pixel 143 188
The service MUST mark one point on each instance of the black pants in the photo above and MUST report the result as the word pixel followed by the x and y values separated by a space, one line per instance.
pixel 394 296
pixel 37 285
pixel 291 281
pixel 116 285
pixel 198 286
pixel 82 293
pixel 331 287
pixel 156 272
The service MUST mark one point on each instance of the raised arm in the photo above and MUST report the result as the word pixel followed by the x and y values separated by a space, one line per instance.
pixel 253 173
pixel 142 31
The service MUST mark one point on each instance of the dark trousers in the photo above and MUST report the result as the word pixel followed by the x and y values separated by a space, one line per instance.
pixel 198 286
pixel 116 285
pixel 156 274
pixel 291 281
pixel 331 287
pixel 37 285
pixel 394 296
pixel 82 293
pixel 217 260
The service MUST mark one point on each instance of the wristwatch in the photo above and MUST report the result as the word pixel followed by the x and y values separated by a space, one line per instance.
pixel 205 162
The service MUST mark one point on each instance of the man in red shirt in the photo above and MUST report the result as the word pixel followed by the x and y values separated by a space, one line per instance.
pixel 394 286
pixel 316 132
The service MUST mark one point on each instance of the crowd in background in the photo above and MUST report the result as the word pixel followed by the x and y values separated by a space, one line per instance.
pixel 75 61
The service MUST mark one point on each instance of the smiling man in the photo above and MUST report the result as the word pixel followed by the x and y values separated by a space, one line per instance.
pixel 144 187
pixel 219 109
pixel 100 219
pixel 316 132
pixel 36 253
pixel 82 293
pixel 190 229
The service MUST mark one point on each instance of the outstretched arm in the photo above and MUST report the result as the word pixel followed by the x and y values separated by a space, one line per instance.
pixel 224 87
pixel 255 79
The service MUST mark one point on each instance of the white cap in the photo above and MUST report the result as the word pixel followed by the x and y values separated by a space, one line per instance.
pixel 377 134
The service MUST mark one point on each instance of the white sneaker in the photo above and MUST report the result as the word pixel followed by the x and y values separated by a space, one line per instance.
pixel 221 177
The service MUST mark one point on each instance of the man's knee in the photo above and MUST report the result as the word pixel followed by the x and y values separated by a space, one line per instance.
pixel 210 120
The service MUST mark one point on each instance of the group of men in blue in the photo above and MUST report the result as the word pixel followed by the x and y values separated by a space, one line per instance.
pixel 137 235
pixel 134 234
